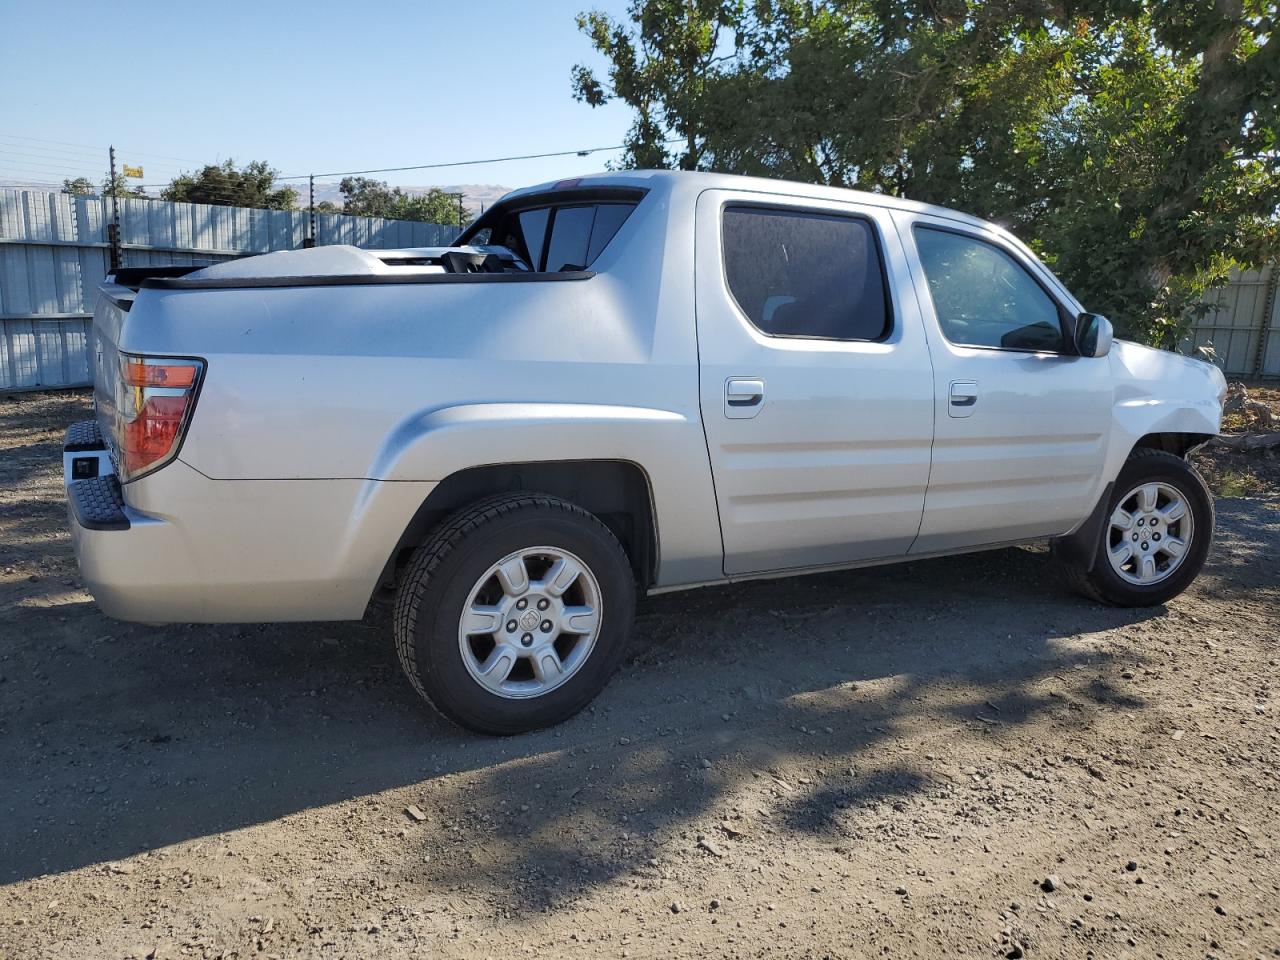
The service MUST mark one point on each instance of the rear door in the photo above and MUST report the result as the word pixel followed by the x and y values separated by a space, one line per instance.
pixel 1021 421
pixel 815 384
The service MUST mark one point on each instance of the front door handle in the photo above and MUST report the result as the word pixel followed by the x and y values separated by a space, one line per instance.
pixel 743 397
pixel 963 397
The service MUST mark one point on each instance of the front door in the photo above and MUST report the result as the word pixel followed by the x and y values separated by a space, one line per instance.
pixel 1021 421
pixel 816 388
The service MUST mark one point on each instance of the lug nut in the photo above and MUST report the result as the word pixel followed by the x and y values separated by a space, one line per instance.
pixel 527 640
pixel 511 626
pixel 544 603
pixel 1141 522
pixel 1135 536
pixel 1145 545
pixel 521 604
pixel 546 626
pixel 1155 536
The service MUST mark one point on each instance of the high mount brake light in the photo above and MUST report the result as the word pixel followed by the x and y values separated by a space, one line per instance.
pixel 154 401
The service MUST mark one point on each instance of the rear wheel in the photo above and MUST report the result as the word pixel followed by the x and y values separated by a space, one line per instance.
pixel 1156 535
pixel 514 613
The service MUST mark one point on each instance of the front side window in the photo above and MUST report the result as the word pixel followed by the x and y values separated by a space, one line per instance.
pixel 800 274
pixel 985 298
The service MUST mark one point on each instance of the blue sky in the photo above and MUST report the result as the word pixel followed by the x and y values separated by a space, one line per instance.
pixel 308 87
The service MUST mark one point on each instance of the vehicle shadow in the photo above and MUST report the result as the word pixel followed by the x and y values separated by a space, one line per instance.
pixel 122 738
pixel 816 705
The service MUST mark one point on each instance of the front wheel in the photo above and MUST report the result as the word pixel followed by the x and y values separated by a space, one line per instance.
pixel 514 613
pixel 1156 535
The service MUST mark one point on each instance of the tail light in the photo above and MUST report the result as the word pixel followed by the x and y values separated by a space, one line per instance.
pixel 154 400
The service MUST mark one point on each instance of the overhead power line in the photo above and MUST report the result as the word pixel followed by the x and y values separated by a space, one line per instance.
pixel 43 162
pixel 585 151
pixel 95 151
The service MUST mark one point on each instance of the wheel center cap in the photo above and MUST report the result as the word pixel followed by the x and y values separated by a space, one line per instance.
pixel 529 620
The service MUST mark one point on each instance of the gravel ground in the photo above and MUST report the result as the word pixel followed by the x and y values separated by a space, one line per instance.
pixel 947 757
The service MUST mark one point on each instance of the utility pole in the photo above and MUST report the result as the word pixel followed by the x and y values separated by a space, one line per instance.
pixel 311 206
pixel 460 218
pixel 113 228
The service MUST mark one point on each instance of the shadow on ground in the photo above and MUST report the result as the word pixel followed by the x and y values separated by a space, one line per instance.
pixel 120 738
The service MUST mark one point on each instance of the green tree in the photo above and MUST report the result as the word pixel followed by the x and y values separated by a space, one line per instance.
pixel 1133 143
pixel 83 187
pixel 123 188
pixel 363 197
pixel 663 69
pixel 253 185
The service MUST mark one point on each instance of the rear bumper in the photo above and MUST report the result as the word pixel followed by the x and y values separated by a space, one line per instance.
pixel 97 504
pixel 112 542
pixel 176 546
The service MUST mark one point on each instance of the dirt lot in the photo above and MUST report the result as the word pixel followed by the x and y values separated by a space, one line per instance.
pixel 950 757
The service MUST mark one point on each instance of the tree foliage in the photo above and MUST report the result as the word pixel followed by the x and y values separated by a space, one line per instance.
pixel 1133 143
pixel 123 188
pixel 663 69
pixel 363 197
pixel 83 187
pixel 223 184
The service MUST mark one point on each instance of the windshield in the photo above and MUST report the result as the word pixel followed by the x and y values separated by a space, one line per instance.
pixel 555 232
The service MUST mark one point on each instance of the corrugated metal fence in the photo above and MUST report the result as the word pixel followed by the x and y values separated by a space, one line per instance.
pixel 54 253
pixel 1243 324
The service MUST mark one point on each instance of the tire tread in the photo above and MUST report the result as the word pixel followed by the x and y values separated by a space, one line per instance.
pixel 440 543
pixel 1082 580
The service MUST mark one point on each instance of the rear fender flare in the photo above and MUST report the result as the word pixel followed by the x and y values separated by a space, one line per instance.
pixel 433 444
pixel 667 445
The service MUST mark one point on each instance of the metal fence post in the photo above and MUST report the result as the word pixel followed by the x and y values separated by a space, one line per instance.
pixel 310 241
pixel 1268 308
pixel 113 228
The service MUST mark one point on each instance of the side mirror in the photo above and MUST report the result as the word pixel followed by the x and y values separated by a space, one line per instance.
pixel 1093 335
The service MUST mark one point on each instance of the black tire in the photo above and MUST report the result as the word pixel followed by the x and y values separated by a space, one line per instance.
pixel 1101 582
pixel 441 575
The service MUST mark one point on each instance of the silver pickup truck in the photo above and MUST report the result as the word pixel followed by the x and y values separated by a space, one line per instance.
pixel 621 384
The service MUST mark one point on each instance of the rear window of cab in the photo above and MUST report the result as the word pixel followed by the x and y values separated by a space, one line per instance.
pixel 556 233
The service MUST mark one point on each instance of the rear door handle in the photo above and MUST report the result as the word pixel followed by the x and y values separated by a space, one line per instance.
pixel 743 397
pixel 963 397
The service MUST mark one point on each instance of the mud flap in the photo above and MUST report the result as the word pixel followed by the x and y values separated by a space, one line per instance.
pixel 1081 548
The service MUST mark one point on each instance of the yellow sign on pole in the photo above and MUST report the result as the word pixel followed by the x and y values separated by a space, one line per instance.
pixel 132 171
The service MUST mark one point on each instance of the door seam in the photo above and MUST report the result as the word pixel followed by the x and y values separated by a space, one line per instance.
pixel 702 413
pixel 933 375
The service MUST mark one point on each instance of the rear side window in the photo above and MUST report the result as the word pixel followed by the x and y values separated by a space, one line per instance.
pixel 985 298
pixel 799 274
